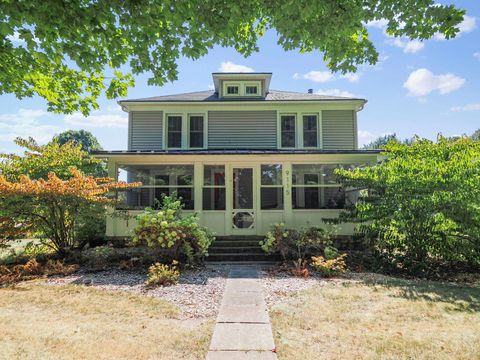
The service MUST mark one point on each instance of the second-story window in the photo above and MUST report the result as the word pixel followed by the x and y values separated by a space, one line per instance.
pixel 174 131
pixel 196 131
pixel 287 123
pixel 251 90
pixel 232 90
pixel 310 131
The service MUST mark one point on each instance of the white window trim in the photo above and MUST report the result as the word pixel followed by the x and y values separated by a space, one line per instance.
pixel 231 83
pixel 205 130
pixel 279 130
pixel 165 130
pixel 185 130
pixel 252 83
pixel 301 142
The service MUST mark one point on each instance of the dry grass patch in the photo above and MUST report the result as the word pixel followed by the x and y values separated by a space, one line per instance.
pixel 380 319
pixel 73 322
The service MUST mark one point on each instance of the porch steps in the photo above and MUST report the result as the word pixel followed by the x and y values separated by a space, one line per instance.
pixel 241 249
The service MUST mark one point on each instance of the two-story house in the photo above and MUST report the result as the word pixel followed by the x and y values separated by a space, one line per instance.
pixel 242 156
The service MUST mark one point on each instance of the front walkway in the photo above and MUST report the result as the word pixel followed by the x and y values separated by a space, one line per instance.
pixel 243 330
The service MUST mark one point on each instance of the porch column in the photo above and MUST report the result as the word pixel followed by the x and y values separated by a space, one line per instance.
pixel 287 193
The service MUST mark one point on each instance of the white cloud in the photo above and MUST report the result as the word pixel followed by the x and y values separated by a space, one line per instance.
pixel 379 24
pixel 422 82
pixel 477 55
pixel 325 76
pixel 97 119
pixel 365 137
pixel 335 92
pixel 25 123
pixel 352 77
pixel 211 87
pixel 228 66
pixel 468 107
pixel 316 76
pixel 408 46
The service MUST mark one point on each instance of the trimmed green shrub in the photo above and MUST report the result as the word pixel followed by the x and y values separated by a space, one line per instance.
pixel 179 237
pixel 163 274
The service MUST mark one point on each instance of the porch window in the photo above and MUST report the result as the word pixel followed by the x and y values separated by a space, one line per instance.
pixel 196 131
pixel 158 180
pixel 271 188
pixel 310 131
pixel 287 126
pixel 314 187
pixel 174 131
pixel 214 187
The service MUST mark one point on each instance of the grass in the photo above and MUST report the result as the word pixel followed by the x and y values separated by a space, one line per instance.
pixel 380 318
pixel 38 321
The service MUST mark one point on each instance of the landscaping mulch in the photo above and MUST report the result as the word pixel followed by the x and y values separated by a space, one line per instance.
pixel 198 293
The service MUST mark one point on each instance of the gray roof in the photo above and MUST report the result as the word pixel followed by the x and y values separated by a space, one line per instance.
pixel 235 152
pixel 272 95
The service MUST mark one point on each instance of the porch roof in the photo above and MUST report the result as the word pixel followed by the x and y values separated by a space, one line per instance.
pixel 233 152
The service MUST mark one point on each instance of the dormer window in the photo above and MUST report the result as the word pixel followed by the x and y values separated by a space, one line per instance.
pixel 232 89
pixel 251 90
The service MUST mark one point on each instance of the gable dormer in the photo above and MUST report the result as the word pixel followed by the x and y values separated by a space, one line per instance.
pixel 241 85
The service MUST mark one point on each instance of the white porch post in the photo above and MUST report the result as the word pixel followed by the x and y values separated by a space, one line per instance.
pixel 287 193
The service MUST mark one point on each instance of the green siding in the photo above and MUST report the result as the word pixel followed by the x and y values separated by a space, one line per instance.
pixel 145 130
pixel 242 129
pixel 338 130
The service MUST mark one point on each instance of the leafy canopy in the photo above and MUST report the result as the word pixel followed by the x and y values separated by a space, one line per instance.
pixel 52 206
pixel 85 138
pixel 70 52
pixel 39 160
pixel 421 206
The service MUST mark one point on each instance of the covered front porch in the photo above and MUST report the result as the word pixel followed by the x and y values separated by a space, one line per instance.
pixel 238 193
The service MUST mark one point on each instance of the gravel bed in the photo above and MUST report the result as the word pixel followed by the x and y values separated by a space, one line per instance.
pixel 198 294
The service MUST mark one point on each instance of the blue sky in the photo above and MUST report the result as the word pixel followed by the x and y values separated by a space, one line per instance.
pixel 416 88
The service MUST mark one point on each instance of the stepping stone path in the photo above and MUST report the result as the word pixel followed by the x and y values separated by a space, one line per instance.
pixel 243 330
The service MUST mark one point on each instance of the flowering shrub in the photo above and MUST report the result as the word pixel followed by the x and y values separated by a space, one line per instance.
pixel 163 274
pixel 294 244
pixel 167 229
pixel 329 267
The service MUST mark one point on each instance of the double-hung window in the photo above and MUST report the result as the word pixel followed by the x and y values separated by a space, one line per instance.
pixel 196 128
pixel 287 129
pixel 158 181
pixel 314 187
pixel 271 188
pixel 174 131
pixel 310 131
pixel 214 191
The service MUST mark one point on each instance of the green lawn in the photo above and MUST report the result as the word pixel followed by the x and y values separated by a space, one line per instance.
pixel 380 319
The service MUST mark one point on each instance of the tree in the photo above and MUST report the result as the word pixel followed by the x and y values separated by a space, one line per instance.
pixel 420 207
pixel 476 135
pixel 382 141
pixel 71 52
pixel 86 139
pixel 52 206
pixel 40 160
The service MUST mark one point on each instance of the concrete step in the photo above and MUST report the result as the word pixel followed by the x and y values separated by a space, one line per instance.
pixel 244 257
pixel 235 249
pixel 236 243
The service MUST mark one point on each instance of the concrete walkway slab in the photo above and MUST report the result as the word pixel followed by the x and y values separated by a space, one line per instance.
pixel 243 314
pixel 241 355
pixel 241 336
pixel 243 329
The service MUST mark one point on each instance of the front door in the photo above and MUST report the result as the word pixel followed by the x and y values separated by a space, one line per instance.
pixel 243 209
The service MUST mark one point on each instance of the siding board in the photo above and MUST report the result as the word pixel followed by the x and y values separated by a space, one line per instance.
pixel 145 130
pixel 242 129
pixel 338 130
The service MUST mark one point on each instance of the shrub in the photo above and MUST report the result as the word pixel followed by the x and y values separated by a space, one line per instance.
pixel 419 207
pixel 295 244
pixel 163 274
pixel 167 229
pixel 329 267
pixel 33 269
